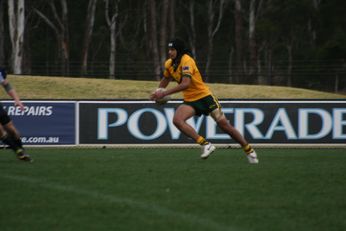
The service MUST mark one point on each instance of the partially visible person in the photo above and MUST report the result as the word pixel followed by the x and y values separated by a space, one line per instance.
pixel 198 99
pixel 9 135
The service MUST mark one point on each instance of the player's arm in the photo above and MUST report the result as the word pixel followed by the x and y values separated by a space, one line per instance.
pixel 12 93
pixel 186 80
pixel 164 82
pixel 184 84
pixel 187 69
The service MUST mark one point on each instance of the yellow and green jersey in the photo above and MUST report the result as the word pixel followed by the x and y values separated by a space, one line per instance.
pixel 187 68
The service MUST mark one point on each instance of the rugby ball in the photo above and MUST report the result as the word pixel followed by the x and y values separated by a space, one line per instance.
pixel 164 99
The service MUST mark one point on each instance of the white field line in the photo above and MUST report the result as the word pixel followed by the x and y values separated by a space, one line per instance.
pixel 159 210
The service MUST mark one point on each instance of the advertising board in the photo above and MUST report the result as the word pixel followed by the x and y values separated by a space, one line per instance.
pixel 45 122
pixel 260 121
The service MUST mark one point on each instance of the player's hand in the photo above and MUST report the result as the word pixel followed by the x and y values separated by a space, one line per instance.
pixel 157 95
pixel 19 104
pixel 152 96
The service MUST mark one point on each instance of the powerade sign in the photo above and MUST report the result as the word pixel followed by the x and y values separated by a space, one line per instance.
pixel 261 122
pixel 44 122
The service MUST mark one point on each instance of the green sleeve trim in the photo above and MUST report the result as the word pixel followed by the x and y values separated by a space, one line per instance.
pixel 187 75
pixel 7 87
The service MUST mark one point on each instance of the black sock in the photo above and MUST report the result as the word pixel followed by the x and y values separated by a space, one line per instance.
pixel 18 142
pixel 10 142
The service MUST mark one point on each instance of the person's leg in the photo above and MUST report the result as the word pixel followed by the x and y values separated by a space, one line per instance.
pixel 14 133
pixel 230 130
pixel 10 136
pixel 8 140
pixel 224 124
pixel 182 114
pixel 4 136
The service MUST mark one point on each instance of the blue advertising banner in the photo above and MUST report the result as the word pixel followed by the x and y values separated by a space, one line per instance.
pixel 278 122
pixel 260 121
pixel 44 122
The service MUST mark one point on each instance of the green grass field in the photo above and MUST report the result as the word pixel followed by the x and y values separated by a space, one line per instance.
pixel 172 189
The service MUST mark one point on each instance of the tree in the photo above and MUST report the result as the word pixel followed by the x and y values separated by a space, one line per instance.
pixel 2 32
pixel 238 31
pixel 293 42
pixel 90 20
pixel 213 28
pixel 163 30
pixel 59 24
pixel 16 14
pixel 112 22
pixel 311 26
pixel 153 43
pixel 192 28
pixel 254 11
pixel 172 20
pixel 295 18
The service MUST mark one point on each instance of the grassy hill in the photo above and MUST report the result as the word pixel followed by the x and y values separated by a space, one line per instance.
pixel 36 87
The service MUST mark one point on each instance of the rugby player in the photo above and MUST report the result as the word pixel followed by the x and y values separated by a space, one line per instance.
pixel 198 99
pixel 9 135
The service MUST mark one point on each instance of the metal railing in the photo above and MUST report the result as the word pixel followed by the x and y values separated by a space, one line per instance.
pixel 329 75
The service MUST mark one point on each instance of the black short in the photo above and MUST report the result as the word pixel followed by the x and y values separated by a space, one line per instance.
pixel 4 118
pixel 205 105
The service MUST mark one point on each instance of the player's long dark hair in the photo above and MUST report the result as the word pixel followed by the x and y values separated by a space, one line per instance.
pixel 181 48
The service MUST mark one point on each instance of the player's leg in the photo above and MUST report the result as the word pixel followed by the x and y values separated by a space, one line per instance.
pixel 224 124
pixel 14 133
pixel 4 136
pixel 10 136
pixel 6 139
pixel 16 143
pixel 182 114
